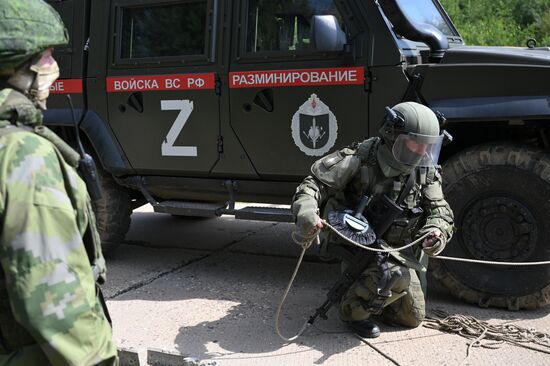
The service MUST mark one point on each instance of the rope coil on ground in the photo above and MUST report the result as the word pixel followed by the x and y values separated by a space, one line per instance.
pixel 493 335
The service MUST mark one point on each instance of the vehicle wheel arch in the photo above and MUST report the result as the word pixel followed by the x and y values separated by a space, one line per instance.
pixel 114 209
pixel 96 132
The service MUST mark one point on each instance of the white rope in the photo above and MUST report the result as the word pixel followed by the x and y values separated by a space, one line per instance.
pixel 491 262
pixel 305 244
pixel 442 257
pixel 488 335
pixel 390 250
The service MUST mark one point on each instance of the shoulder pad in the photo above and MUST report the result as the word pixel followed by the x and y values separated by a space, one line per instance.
pixel 366 151
pixel 336 170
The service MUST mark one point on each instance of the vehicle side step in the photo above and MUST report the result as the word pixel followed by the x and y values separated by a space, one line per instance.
pixel 205 209
pixel 277 214
pixel 200 209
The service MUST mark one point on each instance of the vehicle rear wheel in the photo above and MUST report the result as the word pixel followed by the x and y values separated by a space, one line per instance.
pixel 500 195
pixel 112 211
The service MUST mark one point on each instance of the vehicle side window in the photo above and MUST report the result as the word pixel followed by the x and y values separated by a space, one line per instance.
pixel 284 25
pixel 153 31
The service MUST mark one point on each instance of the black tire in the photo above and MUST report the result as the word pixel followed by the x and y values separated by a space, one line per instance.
pixel 500 195
pixel 113 211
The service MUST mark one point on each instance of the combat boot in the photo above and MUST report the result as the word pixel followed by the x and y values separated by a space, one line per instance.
pixel 365 328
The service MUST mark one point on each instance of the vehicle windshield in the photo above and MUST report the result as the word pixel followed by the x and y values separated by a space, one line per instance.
pixel 425 11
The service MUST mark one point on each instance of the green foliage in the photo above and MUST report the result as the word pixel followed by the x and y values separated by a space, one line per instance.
pixel 501 22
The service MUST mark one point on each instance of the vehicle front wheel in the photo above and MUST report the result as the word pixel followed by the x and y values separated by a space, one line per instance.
pixel 500 195
pixel 112 211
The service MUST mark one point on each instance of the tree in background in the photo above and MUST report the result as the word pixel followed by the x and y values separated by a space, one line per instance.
pixel 501 22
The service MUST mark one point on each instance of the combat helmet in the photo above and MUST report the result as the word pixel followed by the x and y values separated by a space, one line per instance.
pixel 28 27
pixel 411 130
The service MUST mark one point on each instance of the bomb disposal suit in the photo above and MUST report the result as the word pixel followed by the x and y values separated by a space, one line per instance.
pixel 50 251
pixel 401 163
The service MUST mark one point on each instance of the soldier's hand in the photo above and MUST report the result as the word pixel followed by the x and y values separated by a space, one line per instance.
pixel 432 238
pixel 309 222
pixel 318 226
pixel 433 244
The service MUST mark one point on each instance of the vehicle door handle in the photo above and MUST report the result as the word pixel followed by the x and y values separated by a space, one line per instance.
pixel 135 100
pixel 264 100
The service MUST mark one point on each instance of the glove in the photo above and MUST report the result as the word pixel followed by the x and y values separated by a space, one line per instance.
pixel 434 243
pixel 434 249
pixel 307 222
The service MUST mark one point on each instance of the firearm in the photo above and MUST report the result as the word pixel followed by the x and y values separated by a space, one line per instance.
pixel 339 289
pixel 381 212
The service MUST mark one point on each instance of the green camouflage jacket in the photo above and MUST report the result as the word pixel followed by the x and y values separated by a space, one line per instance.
pixel 339 180
pixel 49 311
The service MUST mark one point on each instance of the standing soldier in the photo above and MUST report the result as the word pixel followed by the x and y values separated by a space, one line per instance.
pixel 400 166
pixel 50 252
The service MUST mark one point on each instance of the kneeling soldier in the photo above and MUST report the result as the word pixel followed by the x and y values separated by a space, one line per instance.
pixel 400 166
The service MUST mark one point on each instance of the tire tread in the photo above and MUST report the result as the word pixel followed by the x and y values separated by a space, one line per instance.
pixel 477 158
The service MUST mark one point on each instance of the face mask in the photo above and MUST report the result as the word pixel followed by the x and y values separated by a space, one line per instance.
pixel 46 75
pixel 35 78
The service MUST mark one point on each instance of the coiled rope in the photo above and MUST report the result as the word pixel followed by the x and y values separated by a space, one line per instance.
pixel 493 335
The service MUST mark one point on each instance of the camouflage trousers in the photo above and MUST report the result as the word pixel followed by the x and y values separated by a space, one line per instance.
pixel 409 310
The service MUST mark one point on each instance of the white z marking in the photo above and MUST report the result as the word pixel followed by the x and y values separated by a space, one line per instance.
pixel 185 107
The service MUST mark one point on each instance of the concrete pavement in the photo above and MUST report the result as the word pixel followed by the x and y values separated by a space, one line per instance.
pixel 209 288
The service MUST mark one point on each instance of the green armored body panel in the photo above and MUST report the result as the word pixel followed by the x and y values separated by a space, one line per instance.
pixel 192 106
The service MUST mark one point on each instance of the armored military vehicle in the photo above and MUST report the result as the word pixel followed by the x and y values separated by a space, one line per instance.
pixel 191 105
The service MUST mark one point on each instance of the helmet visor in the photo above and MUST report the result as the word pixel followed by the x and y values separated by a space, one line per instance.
pixel 417 150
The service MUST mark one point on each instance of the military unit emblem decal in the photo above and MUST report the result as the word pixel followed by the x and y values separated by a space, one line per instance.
pixel 314 127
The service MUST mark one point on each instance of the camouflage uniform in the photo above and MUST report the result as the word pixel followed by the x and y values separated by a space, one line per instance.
pixel 49 309
pixel 50 255
pixel 338 181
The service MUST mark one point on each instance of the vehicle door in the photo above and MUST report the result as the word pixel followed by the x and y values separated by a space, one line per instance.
pixel 161 84
pixel 297 90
